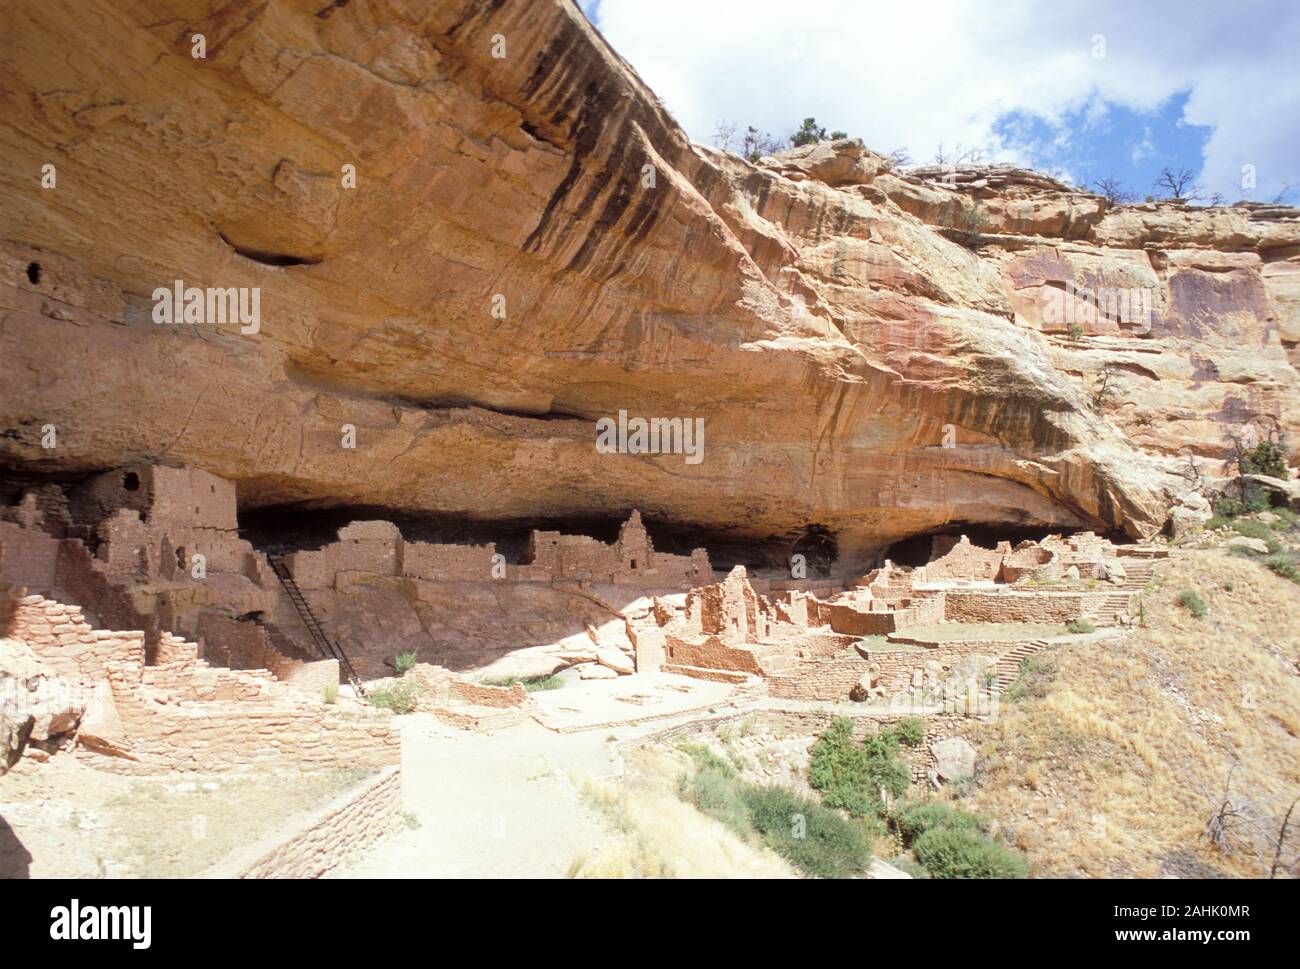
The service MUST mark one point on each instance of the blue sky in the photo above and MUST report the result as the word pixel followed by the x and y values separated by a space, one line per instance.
pixel 1110 140
pixel 1103 88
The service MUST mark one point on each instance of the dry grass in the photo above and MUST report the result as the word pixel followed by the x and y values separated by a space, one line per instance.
pixel 661 836
pixel 76 822
pixel 1113 771
pixel 175 828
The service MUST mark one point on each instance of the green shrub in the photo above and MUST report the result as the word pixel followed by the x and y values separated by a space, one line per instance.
pixel 972 218
pixel 1267 457
pixel 882 745
pixel 915 818
pixel 331 693
pixel 841 771
pixel 706 759
pixel 1284 567
pixel 720 796
pixel 399 697
pixel 891 774
pixel 816 840
pixel 949 852
pixel 966 217
pixel 1191 600
pixel 851 786
pixel 1252 529
pixel 1252 499
pixel 1255 499
pixel 1289 518
pixel 910 731
pixel 1080 626
pixel 548 682
pixel 850 776
pixel 532 684
pixel 404 662
pixel 1226 507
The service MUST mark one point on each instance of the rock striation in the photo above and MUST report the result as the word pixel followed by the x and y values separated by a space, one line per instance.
pixel 475 233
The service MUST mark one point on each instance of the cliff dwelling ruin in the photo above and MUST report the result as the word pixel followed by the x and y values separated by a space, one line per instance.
pixel 319 492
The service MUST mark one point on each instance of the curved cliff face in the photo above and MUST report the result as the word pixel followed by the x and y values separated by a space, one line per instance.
pixel 533 244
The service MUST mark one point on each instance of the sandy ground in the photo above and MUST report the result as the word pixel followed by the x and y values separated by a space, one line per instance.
pixel 479 805
pixel 505 805
pixel 597 704
pixel 492 806
pixel 62 819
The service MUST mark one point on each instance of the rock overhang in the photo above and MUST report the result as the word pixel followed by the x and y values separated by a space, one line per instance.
pixel 524 178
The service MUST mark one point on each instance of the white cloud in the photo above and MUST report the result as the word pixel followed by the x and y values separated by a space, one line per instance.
pixel 1144 148
pixel 918 75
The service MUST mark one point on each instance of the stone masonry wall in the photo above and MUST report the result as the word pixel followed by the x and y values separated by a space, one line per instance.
pixel 30 558
pixel 896 668
pixel 180 714
pixel 80 580
pixel 969 562
pixel 489 696
pixel 857 619
pixel 970 605
pixel 922 612
pixel 232 643
pixel 340 832
pixel 189 496
pixel 828 678
pixel 61 638
pixel 439 562
pixel 242 645
pixel 832 678
pixel 710 652
pixel 240 733
pixel 870 618
pixel 377 548
pixel 311 678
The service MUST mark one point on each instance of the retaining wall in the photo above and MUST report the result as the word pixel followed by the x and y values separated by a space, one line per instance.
pixel 334 835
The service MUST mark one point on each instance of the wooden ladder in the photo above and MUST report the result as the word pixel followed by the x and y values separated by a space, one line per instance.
pixel 327 647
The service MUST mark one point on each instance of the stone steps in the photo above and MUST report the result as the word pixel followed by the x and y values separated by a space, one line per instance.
pixel 1112 607
pixel 705 673
pixel 1137 573
pixel 1008 664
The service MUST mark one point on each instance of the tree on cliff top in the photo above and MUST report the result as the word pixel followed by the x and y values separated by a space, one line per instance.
pixel 810 133
pixel 1112 190
pixel 753 144
pixel 1180 184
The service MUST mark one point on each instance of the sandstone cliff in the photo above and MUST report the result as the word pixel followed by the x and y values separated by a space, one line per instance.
pixel 825 316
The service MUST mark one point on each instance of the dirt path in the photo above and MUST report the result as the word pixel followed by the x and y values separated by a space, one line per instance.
pixel 493 806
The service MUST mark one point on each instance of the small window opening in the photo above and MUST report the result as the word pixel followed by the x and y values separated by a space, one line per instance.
pixel 131 481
